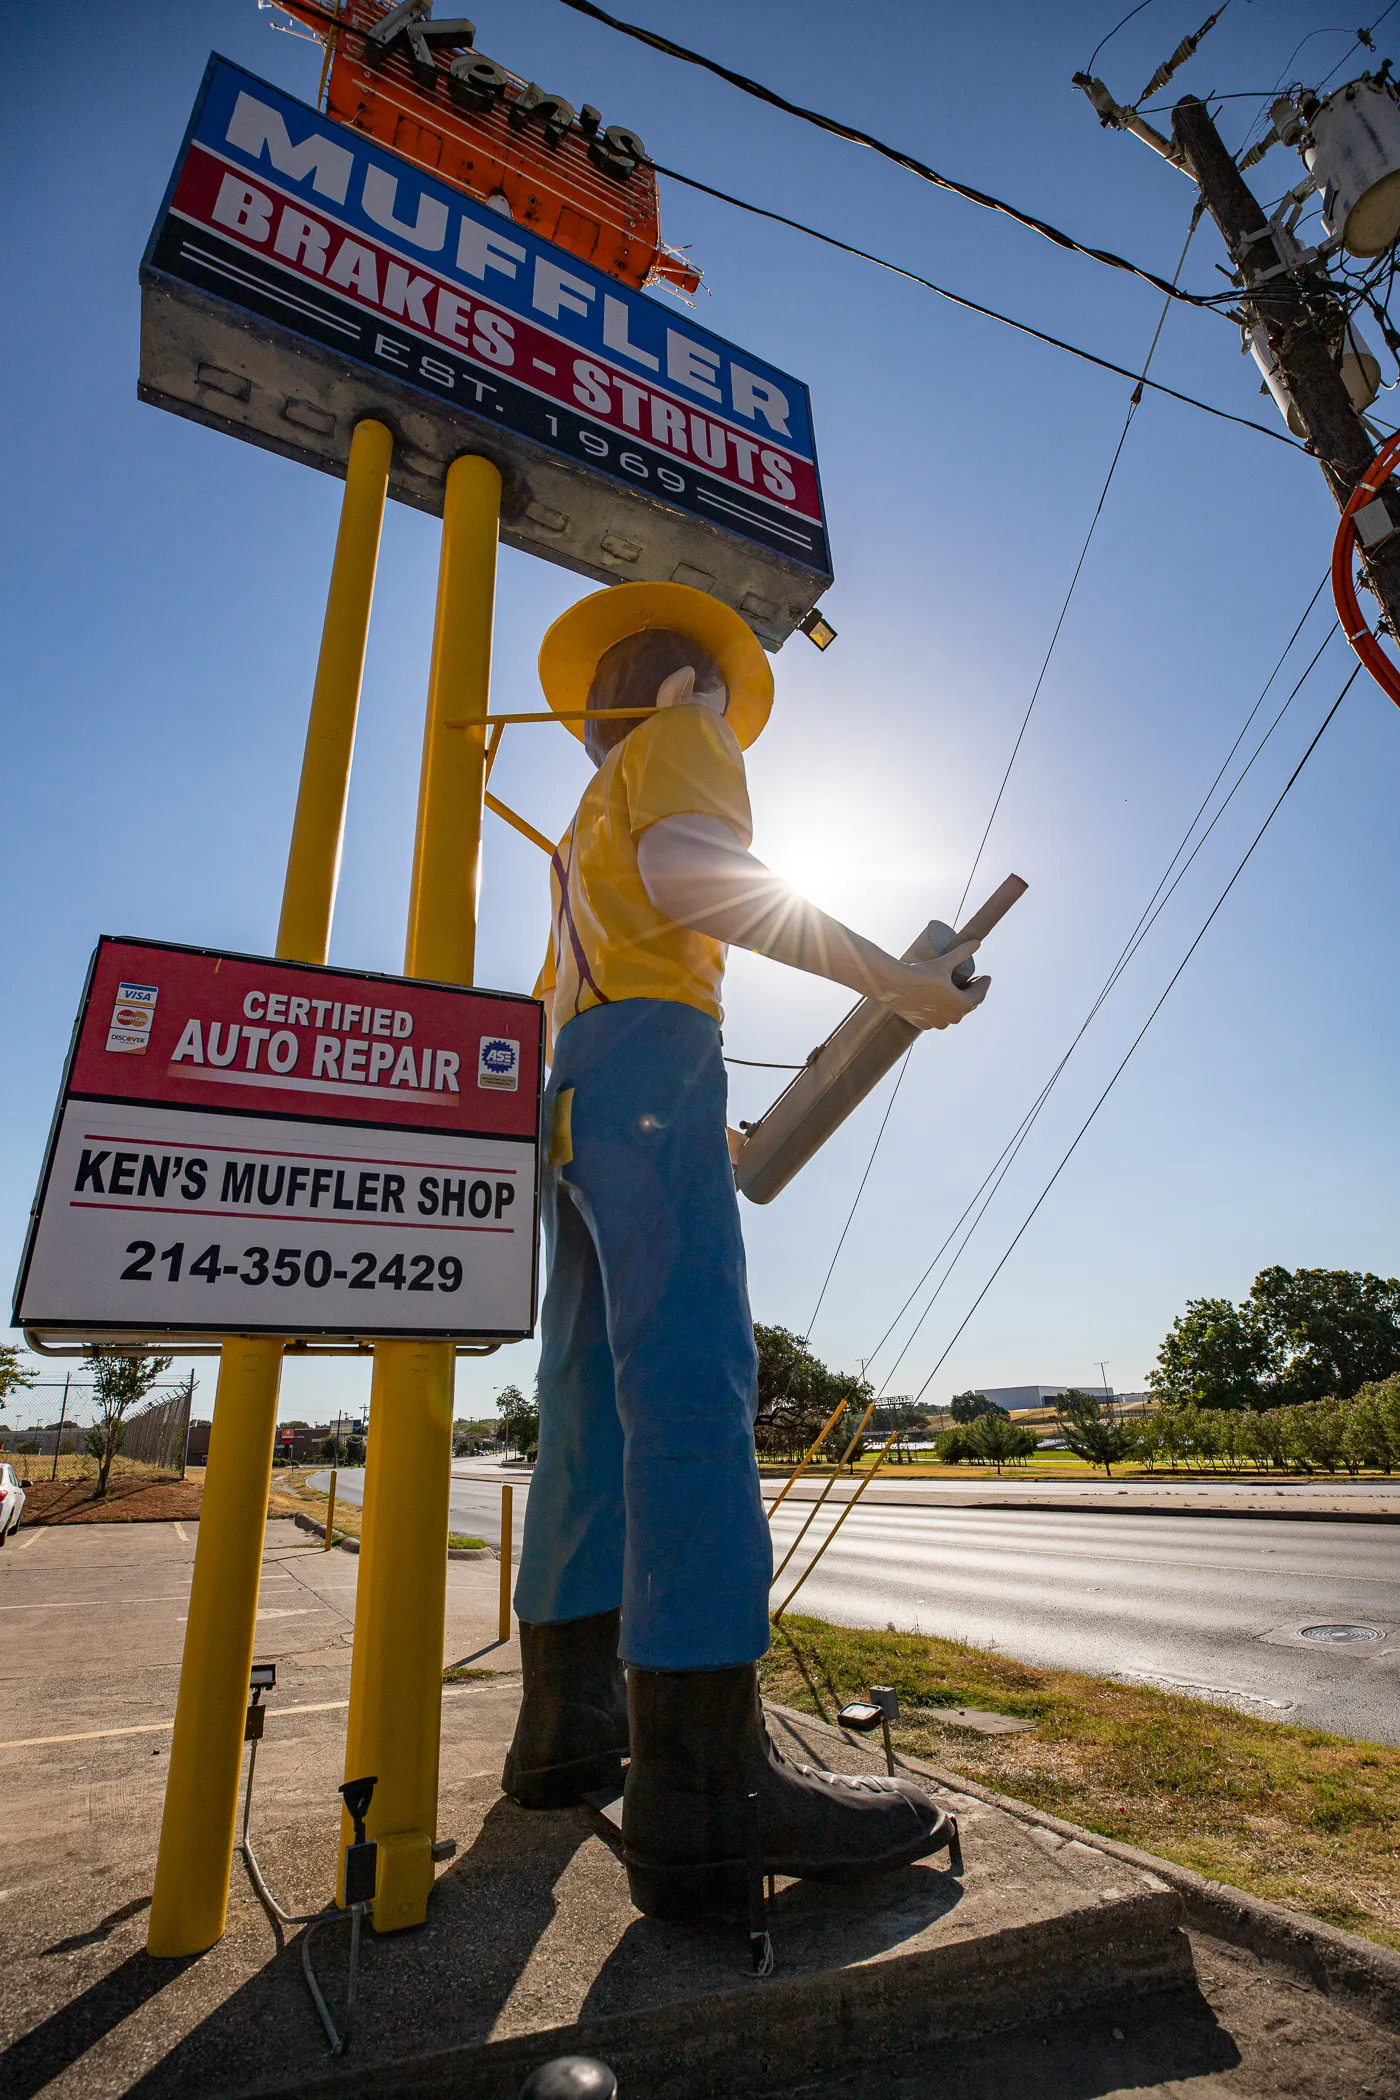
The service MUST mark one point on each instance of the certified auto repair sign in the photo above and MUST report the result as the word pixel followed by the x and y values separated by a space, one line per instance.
pixel 254 1147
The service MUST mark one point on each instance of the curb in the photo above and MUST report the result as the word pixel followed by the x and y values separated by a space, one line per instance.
pixel 348 1545
pixel 1339 1964
pixel 305 1523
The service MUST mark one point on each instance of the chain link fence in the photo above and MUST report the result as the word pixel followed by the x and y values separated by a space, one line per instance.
pixel 53 1419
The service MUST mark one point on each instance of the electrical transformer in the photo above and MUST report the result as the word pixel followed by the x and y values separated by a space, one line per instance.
pixel 1353 151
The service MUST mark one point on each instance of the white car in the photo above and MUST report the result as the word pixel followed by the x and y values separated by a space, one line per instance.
pixel 11 1501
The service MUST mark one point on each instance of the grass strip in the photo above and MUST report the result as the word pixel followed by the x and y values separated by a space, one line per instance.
pixel 1295 1815
pixel 291 1496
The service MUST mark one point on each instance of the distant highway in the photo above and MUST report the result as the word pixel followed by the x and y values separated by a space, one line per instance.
pixel 1210 1603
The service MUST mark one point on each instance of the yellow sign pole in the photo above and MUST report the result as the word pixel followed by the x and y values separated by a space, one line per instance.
pixel 201 1793
pixel 507 1556
pixel 396 1670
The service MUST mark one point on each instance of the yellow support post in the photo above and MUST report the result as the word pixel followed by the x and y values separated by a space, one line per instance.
pixel 507 1556
pixel 190 1901
pixel 313 860
pixel 396 1671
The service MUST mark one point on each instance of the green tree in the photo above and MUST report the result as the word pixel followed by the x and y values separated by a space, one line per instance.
pixel 119 1384
pixel 1300 1335
pixel 969 1407
pixel 1217 1355
pixel 1334 1330
pixel 1091 1431
pixel 520 1422
pixel 953 1447
pixel 354 1451
pixel 14 1376
pixel 997 1438
pixel 796 1394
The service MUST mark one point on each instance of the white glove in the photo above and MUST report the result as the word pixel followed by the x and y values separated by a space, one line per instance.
pixel 926 995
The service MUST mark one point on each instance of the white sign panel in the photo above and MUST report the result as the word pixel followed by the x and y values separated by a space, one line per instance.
pixel 246 1147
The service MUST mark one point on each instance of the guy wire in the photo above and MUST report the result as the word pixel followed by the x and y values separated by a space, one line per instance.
pixel 1161 1002
pixel 1134 404
pixel 1080 1133
pixel 1152 911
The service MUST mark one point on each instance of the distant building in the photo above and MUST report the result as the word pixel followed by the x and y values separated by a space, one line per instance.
pixel 1016 1397
pixel 301 1444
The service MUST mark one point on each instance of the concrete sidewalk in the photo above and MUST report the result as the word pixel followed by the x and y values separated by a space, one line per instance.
pixel 532 1946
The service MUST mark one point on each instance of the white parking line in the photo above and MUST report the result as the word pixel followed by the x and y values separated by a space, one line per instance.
pixel 322 1706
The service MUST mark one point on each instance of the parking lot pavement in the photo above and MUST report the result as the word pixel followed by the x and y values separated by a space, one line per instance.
pixel 93 1617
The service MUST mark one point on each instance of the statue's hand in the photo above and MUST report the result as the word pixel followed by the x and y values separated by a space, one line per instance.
pixel 925 994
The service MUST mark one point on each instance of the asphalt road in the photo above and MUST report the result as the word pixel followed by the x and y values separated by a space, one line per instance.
pixel 1211 1604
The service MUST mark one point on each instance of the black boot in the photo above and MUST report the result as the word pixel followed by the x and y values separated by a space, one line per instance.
pixel 571 1735
pixel 699 1748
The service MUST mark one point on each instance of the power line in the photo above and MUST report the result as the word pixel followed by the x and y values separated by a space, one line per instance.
pixel 1141 7
pixel 1151 912
pixel 1133 406
pixel 907 161
pixel 1073 1146
pixel 990 313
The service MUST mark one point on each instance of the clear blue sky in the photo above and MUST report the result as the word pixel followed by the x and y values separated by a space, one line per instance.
pixel 164 590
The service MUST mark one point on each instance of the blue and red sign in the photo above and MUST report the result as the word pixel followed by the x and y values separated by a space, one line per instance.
pixel 285 214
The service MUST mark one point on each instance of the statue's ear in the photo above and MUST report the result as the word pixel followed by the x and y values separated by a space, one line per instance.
pixel 675 690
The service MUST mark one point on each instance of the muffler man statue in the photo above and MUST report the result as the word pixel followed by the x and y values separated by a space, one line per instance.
pixel 645 1537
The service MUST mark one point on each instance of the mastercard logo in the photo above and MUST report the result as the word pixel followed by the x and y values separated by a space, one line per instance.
pixel 132 1017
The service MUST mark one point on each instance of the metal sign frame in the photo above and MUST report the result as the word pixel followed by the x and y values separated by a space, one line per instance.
pixel 302 276
pixel 406 1111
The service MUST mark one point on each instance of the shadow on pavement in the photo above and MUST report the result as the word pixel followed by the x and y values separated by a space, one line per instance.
pixel 40 2056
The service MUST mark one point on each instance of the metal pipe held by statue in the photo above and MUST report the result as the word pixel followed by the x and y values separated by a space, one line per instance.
pixel 854 1058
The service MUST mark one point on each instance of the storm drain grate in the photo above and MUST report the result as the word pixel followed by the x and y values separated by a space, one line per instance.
pixel 1340 1636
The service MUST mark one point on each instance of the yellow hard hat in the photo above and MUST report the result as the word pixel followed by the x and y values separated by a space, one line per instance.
pixel 580 637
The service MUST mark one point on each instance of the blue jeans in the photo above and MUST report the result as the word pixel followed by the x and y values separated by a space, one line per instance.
pixel 645 1494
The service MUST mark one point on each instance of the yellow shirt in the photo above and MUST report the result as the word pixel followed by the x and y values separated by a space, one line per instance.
pixel 681 761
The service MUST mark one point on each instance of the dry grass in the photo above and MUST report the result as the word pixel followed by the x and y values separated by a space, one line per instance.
pixel 76 1465
pixel 139 1495
pixel 290 1497
pixel 1303 1818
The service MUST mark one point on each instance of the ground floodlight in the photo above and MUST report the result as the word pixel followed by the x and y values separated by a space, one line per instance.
pixel 861 1717
pixel 263 1677
pixel 356 1794
pixel 570 2078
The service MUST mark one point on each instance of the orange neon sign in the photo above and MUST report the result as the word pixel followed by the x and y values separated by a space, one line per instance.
pixel 420 86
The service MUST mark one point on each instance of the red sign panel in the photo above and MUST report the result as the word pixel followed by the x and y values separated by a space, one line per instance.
pixel 245 1146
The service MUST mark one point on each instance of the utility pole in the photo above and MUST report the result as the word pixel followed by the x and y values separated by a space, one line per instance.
pixel 1304 321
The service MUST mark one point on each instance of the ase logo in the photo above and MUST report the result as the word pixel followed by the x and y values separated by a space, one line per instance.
pixel 498 1063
